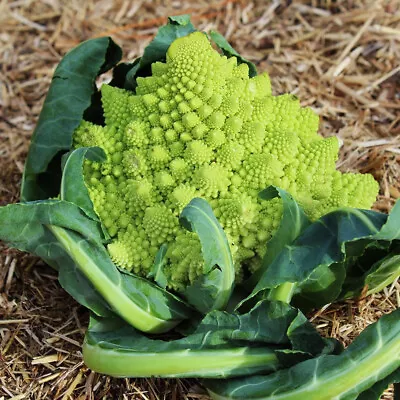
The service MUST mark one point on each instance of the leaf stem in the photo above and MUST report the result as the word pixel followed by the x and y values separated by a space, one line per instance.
pixel 209 363
pixel 283 292
pixel 111 289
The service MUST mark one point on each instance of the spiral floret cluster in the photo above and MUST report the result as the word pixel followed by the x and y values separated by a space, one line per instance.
pixel 200 127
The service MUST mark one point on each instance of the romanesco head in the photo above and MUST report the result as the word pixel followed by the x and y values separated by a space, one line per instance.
pixel 200 127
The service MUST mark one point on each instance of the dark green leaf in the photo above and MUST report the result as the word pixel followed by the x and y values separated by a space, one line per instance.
pixel 120 72
pixel 23 222
pixel 322 243
pixel 323 285
pixel 321 262
pixel 70 94
pixel 181 20
pixel 384 272
pixel 375 269
pixel 371 358
pixel 305 338
pixel 24 226
pixel 73 187
pixel 391 229
pixel 213 289
pixel 229 51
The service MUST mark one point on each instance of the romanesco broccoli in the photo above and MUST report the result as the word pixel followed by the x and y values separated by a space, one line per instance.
pixel 200 127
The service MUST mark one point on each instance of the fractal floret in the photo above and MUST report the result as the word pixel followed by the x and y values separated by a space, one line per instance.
pixel 200 127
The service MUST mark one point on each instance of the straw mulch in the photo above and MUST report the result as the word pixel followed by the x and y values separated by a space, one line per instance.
pixel 339 57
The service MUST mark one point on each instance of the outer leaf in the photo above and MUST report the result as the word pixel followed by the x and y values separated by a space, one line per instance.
pixel 61 234
pixel 388 269
pixel 157 273
pixel 222 345
pixel 70 94
pixel 127 353
pixel 375 392
pixel 212 290
pixel 323 286
pixel 23 223
pixel 372 357
pixel 23 226
pixel 229 51
pixel 120 72
pixel 136 300
pixel 372 261
pixel 305 338
pixel 391 229
pixel 73 187
pixel 156 51
pixel 384 273
pixel 323 257
pixel 323 243
pixel 375 269
pixel 292 224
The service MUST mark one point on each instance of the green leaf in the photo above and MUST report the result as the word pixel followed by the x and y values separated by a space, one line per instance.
pixel 70 94
pixel 120 72
pixel 391 229
pixel 305 338
pixel 157 273
pixel 22 223
pixel 229 51
pixel 376 391
pixel 323 286
pixel 23 226
pixel 293 223
pixel 375 269
pixel 365 260
pixel 384 272
pixel 62 235
pixel 322 243
pixel 128 353
pixel 73 187
pixel 181 20
pixel 222 345
pixel 371 358
pixel 139 302
pixel 156 51
pixel 212 290
pixel 322 262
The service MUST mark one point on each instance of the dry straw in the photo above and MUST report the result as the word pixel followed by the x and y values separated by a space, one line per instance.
pixel 339 57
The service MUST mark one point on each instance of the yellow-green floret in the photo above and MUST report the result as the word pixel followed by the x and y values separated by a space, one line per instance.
pixel 200 127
